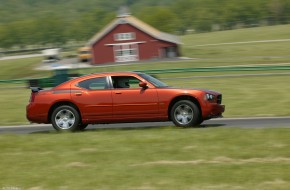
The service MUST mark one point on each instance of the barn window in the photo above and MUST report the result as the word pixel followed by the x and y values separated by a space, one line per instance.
pixel 124 36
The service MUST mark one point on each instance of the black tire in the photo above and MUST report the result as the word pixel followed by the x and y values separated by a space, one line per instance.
pixel 185 113
pixel 65 118
pixel 83 126
pixel 200 122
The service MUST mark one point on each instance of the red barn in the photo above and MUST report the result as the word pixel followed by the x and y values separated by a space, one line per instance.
pixel 127 38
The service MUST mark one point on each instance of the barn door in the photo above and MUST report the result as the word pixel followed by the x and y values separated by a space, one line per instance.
pixel 126 52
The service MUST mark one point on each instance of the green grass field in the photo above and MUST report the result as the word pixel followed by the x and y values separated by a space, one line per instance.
pixel 249 53
pixel 213 158
pixel 239 35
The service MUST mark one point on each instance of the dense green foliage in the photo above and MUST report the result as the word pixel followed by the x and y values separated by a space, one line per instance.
pixel 32 22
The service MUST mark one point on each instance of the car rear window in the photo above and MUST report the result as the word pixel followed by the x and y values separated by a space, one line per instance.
pixel 94 83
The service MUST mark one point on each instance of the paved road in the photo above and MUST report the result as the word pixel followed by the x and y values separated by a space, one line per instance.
pixel 224 122
pixel 20 56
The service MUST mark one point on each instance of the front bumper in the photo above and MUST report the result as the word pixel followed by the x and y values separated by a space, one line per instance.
pixel 213 111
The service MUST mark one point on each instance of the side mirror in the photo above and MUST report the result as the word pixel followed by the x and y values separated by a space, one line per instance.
pixel 143 84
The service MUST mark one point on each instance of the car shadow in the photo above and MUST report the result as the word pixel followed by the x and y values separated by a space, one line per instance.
pixel 124 128
pixel 211 125
pixel 45 132
pixel 152 127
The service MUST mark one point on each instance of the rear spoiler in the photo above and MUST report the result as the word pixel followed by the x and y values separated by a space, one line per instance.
pixel 35 89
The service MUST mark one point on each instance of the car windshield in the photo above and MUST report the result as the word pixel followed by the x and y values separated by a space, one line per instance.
pixel 152 80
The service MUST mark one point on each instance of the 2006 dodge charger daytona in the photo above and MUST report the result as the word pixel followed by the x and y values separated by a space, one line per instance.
pixel 120 97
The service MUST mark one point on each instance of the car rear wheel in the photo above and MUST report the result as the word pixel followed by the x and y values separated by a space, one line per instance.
pixel 65 118
pixel 185 113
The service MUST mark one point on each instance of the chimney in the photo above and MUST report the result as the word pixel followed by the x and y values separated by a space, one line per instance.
pixel 123 12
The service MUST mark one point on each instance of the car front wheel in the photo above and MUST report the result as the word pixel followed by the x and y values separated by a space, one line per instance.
pixel 185 113
pixel 65 118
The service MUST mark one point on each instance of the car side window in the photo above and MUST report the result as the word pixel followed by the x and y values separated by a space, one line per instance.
pixel 125 82
pixel 94 83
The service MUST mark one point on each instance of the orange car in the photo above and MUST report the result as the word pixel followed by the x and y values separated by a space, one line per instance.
pixel 120 97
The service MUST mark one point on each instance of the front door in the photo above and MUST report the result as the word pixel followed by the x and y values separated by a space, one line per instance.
pixel 131 101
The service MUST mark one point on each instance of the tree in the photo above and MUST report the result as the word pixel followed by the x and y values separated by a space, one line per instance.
pixel 161 18
pixel 50 30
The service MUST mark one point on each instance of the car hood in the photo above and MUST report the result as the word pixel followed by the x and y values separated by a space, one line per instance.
pixel 195 89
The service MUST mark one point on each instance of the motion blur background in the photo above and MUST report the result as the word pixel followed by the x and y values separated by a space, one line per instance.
pixel 25 23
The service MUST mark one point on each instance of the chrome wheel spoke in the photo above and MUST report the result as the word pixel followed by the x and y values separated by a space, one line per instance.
pixel 65 125
pixel 71 121
pixel 69 115
pixel 178 110
pixel 59 122
pixel 189 117
pixel 184 120
pixel 187 109
pixel 179 117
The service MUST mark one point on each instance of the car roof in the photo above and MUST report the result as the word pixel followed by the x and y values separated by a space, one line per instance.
pixel 126 73
pixel 129 73
pixel 116 73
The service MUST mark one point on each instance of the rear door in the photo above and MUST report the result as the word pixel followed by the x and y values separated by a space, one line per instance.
pixel 94 99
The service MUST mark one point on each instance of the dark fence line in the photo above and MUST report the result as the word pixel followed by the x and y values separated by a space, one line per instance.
pixel 50 81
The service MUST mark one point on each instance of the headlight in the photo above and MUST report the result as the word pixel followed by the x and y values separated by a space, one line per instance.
pixel 209 97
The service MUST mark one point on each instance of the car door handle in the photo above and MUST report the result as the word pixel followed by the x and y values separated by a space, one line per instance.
pixel 118 92
pixel 78 93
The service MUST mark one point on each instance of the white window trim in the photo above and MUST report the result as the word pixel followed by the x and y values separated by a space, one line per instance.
pixel 127 57
pixel 125 36
pixel 129 43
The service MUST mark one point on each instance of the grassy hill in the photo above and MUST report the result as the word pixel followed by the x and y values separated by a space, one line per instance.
pixel 198 45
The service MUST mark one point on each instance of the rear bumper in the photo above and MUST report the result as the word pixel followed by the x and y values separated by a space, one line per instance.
pixel 34 115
